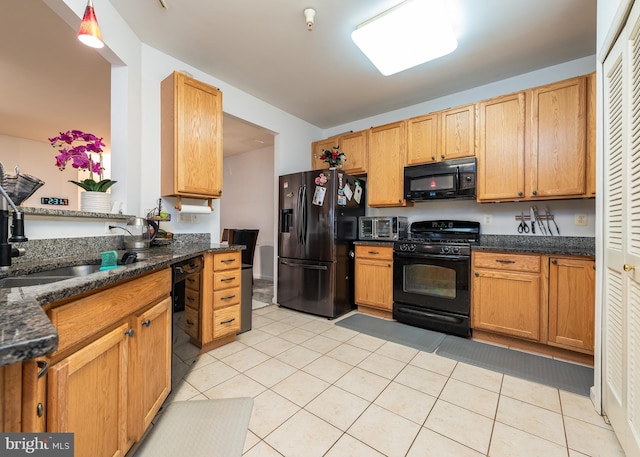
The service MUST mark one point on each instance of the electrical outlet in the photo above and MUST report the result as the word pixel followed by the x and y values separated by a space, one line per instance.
pixel 487 219
pixel 187 218
pixel 581 219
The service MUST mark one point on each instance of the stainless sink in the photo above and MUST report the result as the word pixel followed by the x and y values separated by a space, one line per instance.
pixel 76 270
pixel 48 276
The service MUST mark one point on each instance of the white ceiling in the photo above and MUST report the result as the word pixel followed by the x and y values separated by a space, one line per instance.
pixel 264 48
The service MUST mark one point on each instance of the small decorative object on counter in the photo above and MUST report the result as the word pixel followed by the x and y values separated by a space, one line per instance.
pixel 21 186
pixel 335 157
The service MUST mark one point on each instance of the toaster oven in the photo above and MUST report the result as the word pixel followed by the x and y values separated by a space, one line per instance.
pixel 382 227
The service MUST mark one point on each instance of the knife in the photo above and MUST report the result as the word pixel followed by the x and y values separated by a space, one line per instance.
pixel 540 224
pixel 533 221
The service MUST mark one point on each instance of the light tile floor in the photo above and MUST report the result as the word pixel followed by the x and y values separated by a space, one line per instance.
pixel 323 390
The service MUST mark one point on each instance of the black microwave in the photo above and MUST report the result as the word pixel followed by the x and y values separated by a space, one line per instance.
pixel 447 179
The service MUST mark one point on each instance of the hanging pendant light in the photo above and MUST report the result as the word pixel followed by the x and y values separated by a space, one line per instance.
pixel 89 32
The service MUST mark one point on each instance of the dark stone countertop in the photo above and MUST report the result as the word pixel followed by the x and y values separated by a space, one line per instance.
pixel 552 245
pixel 26 331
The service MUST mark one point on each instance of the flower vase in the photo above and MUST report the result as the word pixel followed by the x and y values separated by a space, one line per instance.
pixel 95 202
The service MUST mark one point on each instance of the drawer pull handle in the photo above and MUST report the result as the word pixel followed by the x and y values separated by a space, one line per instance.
pixel 190 279
pixel 228 297
pixel 505 261
pixel 129 332
pixel 190 322
pixel 228 321
pixel 228 279
pixel 40 410
pixel 228 260
pixel 191 299
pixel 374 252
pixel 146 323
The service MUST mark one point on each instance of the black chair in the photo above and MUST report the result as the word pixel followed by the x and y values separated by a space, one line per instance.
pixel 247 237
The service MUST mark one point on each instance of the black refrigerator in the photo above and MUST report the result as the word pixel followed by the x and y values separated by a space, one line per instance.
pixel 318 223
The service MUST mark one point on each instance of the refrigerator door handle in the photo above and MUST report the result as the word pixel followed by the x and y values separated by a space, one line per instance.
pixel 302 265
pixel 304 215
pixel 299 215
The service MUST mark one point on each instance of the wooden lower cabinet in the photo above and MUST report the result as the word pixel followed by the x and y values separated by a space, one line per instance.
pixel 534 298
pixel 111 371
pixel 374 279
pixel 87 395
pixel 572 304
pixel 10 398
pixel 507 303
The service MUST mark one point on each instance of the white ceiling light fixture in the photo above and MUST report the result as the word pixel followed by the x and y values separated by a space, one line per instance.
pixel 407 35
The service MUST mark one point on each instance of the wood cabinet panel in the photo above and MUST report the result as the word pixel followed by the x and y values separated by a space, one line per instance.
pixel 501 151
pixel 423 139
pixel 505 261
pixel 507 303
pixel 572 304
pixel 458 130
pixel 191 113
pixel 316 152
pixel 226 321
pixel 226 279
pixel 374 277
pixel 192 323
pixel 387 148
pixel 87 316
pixel 558 158
pixel 226 297
pixel 11 397
pixel 356 147
pixel 88 396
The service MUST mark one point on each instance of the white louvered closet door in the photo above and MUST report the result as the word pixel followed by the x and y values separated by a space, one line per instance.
pixel 621 300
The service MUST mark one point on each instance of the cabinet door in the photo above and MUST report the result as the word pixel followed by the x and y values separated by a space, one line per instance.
pixel 87 396
pixel 501 148
pixel 191 138
pixel 458 132
pixel 356 148
pixel 374 283
pixel 572 304
pixel 591 135
pixel 316 152
pixel 558 139
pixel 10 398
pixel 422 139
pixel 387 145
pixel 151 364
pixel 507 303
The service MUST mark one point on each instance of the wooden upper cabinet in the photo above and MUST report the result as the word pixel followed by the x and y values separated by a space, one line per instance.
pixel 591 135
pixel 501 148
pixel 316 152
pixel 422 139
pixel 387 144
pixel 458 128
pixel 449 134
pixel 558 155
pixel 356 147
pixel 191 113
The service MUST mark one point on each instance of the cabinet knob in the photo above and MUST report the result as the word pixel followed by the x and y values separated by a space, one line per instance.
pixel 519 194
pixel 534 192
pixel 433 157
pixel 442 156
pixel 129 332
pixel 628 267
pixel 146 323
pixel 40 410
pixel 477 274
pixel 554 262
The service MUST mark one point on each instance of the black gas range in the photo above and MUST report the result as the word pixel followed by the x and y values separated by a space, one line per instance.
pixel 432 275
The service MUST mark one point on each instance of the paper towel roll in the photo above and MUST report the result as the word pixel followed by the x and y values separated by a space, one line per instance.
pixel 195 209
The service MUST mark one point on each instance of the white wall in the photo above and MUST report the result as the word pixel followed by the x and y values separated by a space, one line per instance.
pixel 248 203
pixel 501 214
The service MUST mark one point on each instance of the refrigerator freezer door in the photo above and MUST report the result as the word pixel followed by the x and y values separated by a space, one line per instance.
pixel 307 286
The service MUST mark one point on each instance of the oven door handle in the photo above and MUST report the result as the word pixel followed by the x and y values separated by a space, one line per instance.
pixel 434 316
pixel 453 258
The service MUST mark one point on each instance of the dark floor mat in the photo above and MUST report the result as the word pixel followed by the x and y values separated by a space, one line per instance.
pixel 555 373
pixel 417 338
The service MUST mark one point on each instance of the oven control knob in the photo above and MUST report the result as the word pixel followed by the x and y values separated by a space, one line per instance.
pixel 456 250
pixel 445 249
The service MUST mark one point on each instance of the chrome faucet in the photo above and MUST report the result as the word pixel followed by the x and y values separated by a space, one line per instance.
pixel 7 252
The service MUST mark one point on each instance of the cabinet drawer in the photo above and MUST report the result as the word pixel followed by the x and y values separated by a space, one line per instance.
pixel 227 261
pixel 222 298
pixel 191 322
pixel 226 279
pixel 192 282
pixel 511 262
pixel 374 252
pixel 82 318
pixel 226 321
pixel 192 298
